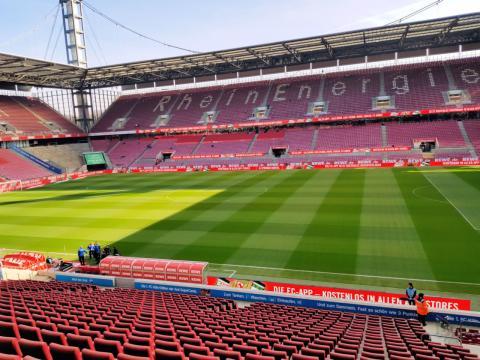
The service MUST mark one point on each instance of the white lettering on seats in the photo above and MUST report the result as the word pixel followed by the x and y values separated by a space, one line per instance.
pixel 365 81
pixel 230 98
pixel 339 88
pixel 187 100
pixel 400 84
pixel 162 102
pixel 206 101
pixel 470 76
pixel 251 93
pixel 279 91
pixel 303 88
pixel 430 77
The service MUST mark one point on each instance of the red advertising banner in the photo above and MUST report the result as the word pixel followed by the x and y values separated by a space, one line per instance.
pixel 455 163
pixel 216 156
pixel 29 184
pixel 377 297
pixel 19 137
pixel 389 149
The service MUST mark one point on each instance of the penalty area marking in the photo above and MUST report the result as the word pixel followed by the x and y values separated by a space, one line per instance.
pixel 345 274
pixel 451 203
pixel 414 192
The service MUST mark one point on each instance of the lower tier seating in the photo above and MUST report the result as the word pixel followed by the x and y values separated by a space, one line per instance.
pixel 15 167
pixel 205 149
pixel 53 320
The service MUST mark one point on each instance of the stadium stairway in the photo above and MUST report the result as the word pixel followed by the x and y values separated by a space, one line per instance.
pixel 467 139
pixel 28 156
pixel 67 156
pixel 140 155
pixel 314 140
pixel 195 149
pixel 252 143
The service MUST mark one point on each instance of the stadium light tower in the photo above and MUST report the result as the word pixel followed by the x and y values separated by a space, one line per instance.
pixel 72 15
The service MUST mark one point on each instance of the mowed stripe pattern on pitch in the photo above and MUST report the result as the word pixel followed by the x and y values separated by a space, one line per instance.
pixel 383 222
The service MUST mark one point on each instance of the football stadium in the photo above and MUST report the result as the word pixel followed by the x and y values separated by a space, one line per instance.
pixel 316 197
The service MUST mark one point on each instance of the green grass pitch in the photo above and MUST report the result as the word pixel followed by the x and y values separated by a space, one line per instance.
pixel 375 227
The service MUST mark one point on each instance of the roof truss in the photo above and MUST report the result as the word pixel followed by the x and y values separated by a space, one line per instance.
pixel 452 30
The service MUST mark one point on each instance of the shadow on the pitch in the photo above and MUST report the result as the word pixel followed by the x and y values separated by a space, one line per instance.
pixel 70 197
pixel 132 245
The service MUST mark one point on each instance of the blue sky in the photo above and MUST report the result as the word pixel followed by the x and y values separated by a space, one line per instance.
pixel 200 25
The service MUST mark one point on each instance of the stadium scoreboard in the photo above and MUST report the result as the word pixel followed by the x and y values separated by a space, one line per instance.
pixel 95 160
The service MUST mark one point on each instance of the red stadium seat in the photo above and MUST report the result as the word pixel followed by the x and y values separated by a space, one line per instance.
pixel 80 341
pixel 132 357
pixel 36 349
pixel 278 355
pixel 319 354
pixel 168 355
pixel 88 354
pixel 9 345
pixel 227 355
pixel 258 357
pixel 90 333
pixel 10 357
pixel 9 330
pixel 302 357
pixel 53 337
pixel 111 346
pixel 62 352
pixel 194 356
pixel 167 345
pixel 137 350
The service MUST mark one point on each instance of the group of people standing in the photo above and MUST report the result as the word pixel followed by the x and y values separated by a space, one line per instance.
pixel 419 302
pixel 96 252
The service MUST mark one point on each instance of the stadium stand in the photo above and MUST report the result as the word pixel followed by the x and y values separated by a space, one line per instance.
pixel 201 150
pixel 406 87
pixel 22 115
pixel 447 133
pixel 15 167
pixel 52 320
pixel 353 137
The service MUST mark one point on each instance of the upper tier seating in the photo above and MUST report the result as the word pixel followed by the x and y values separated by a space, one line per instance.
pixel 15 167
pixel 30 116
pixel 52 320
pixel 410 87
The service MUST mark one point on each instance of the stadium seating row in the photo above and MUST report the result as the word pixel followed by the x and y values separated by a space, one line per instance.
pixel 402 88
pixel 82 321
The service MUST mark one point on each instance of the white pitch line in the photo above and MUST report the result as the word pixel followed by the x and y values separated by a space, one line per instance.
pixel 345 274
pixel 414 192
pixel 451 203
